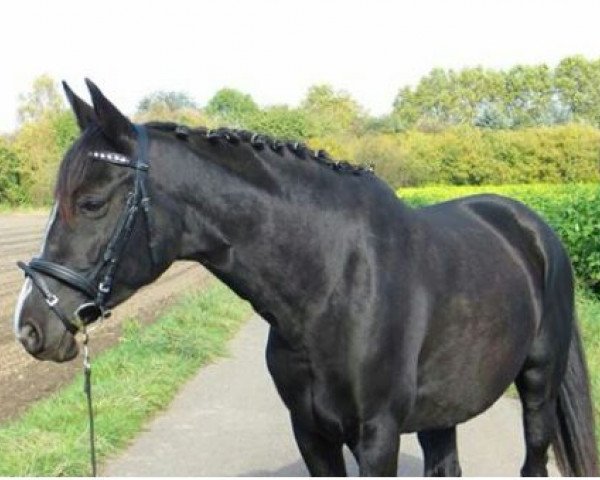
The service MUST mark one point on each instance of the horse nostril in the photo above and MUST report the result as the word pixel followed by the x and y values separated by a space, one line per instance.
pixel 30 338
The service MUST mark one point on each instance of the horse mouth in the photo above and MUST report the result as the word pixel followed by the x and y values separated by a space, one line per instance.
pixel 67 350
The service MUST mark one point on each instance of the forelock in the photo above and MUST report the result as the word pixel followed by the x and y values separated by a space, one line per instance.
pixel 73 169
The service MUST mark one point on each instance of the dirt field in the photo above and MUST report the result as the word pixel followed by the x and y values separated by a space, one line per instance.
pixel 22 378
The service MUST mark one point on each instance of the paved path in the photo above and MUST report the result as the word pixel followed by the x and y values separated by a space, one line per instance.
pixel 229 421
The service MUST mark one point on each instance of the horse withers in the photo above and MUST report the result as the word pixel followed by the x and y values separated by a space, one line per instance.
pixel 383 319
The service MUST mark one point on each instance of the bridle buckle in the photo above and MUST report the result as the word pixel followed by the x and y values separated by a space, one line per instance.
pixel 52 300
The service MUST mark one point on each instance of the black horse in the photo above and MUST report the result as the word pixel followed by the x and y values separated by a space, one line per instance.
pixel 384 319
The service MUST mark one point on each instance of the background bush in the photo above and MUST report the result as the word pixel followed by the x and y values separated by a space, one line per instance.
pixel 466 155
pixel 11 188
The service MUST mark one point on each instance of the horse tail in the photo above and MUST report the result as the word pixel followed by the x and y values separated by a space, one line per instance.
pixel 575 442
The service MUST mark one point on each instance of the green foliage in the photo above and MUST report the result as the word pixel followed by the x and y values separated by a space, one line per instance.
pixel 165 106
pixel 523 96
pixel 527 95
pixel 11 188
pixel 43 98
pixel 464 155
pixel 577 222
pixel 458 156
pixel 452 128
pixel 577 82
pixel 331 112
pixel 391 160
pixel 161 99
pixel 588 311
pixel 340 147
pixel 40 146
pixel 572 210
pixel 29 159
pixel 231 107
pixel 279 121
pixel 186 116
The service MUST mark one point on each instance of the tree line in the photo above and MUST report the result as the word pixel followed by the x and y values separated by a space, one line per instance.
pixel 472 126
pixel 523 96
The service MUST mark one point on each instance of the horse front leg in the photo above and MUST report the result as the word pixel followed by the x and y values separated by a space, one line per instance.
pixel 440 452
pixel 322 457
pixel 376 450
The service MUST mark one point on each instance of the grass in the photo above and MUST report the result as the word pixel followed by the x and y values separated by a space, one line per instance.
pixel 131 382
pixel 5 209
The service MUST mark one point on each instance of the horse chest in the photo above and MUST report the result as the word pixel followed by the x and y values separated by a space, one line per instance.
pixel 317 396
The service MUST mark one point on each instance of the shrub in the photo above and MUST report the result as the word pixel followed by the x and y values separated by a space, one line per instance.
pixel 392 161
pixel 279 121
pixel 40 146
pixel 466 155
pixel 12 191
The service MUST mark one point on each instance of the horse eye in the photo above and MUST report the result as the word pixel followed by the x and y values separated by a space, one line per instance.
pixel 91 205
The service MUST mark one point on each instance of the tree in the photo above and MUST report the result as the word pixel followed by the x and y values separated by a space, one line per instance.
pixel 444 98
pixel 528 95
pixel 435 99
pixel 171 106
pixel 577 83
pixel 279 121
pixel 231 106
pixel 47 130
pixel 44 98
pixel 491 115
pixel 40 146
pixel 481 93
pixel 522 96
pixel 331 112
pixel 11 189
pixel 166 100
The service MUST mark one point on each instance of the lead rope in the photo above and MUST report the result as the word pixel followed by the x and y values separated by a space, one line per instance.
pixel 87 388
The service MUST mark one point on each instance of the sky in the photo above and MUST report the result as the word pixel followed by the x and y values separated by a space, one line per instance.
pixel 275 50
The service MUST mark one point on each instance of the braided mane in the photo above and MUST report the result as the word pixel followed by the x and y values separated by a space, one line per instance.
pixel 259 142
pixel 75 165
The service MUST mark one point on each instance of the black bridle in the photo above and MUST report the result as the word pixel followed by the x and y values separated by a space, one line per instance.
pixel 97 284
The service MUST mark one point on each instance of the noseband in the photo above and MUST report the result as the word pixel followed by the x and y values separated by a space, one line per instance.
pixel 97 284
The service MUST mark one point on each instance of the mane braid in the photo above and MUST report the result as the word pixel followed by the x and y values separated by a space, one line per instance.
pixel 259 141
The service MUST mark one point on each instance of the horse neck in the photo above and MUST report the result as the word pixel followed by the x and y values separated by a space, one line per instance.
pixel 266 226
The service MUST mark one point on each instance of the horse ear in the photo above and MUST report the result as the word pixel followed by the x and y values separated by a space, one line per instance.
pixel 113 123
pixel 84 113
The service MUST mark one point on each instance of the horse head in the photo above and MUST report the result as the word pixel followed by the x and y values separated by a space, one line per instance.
pixel 110 232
